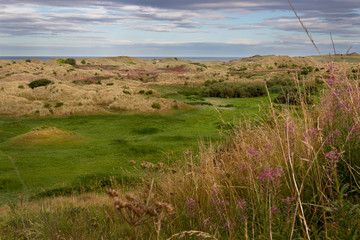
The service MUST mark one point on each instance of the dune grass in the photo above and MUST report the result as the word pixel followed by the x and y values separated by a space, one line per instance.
pixel 291 174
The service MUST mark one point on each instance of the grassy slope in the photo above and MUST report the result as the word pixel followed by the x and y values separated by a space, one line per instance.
pixel 111 141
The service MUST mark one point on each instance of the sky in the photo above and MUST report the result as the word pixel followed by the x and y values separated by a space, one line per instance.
pixel 177 28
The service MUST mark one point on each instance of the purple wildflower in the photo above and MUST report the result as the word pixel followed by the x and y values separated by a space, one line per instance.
pixel 333 137
pixel 190 206
pixel 275 211
pixel 191 203
pixel 270 174
pixel 254 154
pixel 333 155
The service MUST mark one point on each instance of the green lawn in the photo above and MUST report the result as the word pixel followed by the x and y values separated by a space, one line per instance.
pixel 109 143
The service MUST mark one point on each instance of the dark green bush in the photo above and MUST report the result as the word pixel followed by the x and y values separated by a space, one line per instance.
pixel 47 105
pixel 233 90
pixel 149 92
pixel 189 91
pixel 277 89
pixel 126 92
pixel 83 62
pixel 277 80
pixel 283 66
pixel 209 82
pixel 142 91
pixel 59 104
pixel 39 83
pixel 156 105
pixel 70 61
pixel 27 60
pixel 306 70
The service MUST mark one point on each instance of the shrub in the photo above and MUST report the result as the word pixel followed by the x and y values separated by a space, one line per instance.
pixel 189 91
pixel 156 105
pixel 70 61
pixel 126 92
pixel 60 61
pixel 279 81
pixel 59 104
pixel 21 86
pixel 142 91
pixel 233 90
pixel 83 62
pixel 39 83
pixel 277 89
pixel 47 105
pixel 110 84
pixel 294 96
pixel 306 70
pixel 27 60
pixel 209 82
pixel 149 92
pixel 175 105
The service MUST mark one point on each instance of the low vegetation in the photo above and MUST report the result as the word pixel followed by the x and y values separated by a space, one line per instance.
pixel 293 95
pixel 39 83
pixel 290 172
pixel 70 61
pixel 233 90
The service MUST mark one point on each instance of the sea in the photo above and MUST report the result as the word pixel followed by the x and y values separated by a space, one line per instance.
pixel 45 58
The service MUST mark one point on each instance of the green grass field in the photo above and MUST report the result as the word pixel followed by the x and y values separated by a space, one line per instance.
pixel 106 145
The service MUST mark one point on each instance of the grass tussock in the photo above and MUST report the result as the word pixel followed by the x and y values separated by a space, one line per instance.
pixel 46 135
pixel 294 174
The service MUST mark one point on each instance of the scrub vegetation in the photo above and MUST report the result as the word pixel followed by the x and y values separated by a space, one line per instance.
pixel 260 148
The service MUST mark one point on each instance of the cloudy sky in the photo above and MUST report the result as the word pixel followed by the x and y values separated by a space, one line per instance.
pixel 179 28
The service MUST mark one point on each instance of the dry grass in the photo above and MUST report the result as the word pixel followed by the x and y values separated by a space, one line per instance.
pixel 121 80
pixel 83 200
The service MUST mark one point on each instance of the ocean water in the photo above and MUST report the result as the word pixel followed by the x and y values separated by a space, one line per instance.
pixel 45 58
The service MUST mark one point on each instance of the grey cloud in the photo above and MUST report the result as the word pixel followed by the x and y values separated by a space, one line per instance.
pixel 325 6
pixel 330 11
pixel 343 27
